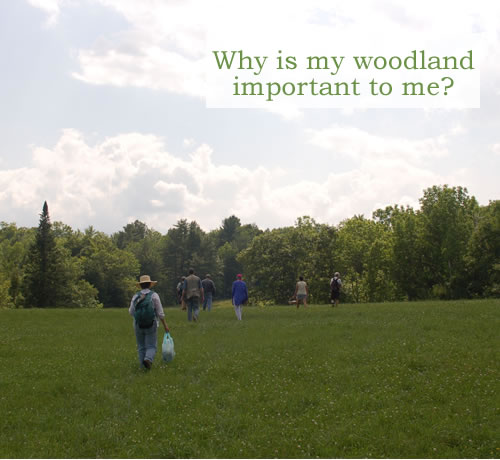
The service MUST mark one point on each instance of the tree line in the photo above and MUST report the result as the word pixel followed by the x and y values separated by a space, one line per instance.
pixel 449 248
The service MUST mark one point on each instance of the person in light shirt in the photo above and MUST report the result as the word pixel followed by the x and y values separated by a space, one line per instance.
pixel 301 292
pixel 146 337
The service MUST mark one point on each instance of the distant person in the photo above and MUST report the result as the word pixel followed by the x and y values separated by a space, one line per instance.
pixel 239 295
pixel 146 309
pixel 192 293
pixel 180 285
pixel 335 287
pixel 208 291
pixel 301 292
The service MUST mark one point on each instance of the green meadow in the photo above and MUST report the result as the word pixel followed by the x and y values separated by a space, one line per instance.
pixel 393 380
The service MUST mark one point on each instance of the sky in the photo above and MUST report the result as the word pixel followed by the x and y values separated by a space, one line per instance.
pixel 103 114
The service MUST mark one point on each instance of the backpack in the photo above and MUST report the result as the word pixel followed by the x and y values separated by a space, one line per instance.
pixel 144 314
pixel 335 285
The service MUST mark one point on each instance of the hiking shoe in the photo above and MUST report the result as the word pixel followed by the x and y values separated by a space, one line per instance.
pixel 147 363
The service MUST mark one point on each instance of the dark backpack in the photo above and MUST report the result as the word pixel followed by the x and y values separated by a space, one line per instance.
pixel 144 314
pixel 335 285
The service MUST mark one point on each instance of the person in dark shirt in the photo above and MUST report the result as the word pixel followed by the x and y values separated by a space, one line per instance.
pixel 209 291
pixel 335 286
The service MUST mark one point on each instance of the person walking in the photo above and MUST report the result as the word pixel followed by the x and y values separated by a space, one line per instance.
pixel 239 295
pixel 192 292
pixel 208 291
pixel 335 286
pixel 301 292
pixel 146 309
pixel 180 285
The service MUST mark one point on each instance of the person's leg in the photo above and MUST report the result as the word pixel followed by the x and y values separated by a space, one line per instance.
pixel 189 305
pixel 141 344
pixel 208 300
pixel 336 296
pixel 301 299
pixel 150 339
pixel 205 302
pixel 196 308
pixel 236 311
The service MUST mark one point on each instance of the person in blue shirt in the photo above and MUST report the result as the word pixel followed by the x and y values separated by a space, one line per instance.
pixel 239 295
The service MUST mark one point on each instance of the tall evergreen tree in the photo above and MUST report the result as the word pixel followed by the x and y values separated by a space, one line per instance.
pixel 40 284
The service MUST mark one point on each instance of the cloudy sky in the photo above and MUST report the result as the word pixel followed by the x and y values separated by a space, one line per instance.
pixel 103 114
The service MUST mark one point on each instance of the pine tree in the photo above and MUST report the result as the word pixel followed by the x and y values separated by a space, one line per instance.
pixel 40 285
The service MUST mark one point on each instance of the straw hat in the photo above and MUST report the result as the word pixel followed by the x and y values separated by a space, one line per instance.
pixel 146 279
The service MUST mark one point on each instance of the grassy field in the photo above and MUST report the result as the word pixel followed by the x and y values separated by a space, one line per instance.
pixel 378 380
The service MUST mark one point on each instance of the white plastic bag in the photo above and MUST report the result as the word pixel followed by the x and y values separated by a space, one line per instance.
pixel 167 348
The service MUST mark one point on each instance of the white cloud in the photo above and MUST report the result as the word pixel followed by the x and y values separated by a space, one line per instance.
pixel 153 67
pixel 361 145
pixel 51 7
pixel 163 34
pixel 389 170
pixel 188 143
pixel 163 47
pixel 124 177
pixel 132 176
pixel 162 50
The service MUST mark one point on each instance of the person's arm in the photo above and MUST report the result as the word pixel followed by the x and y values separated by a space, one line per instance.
pixel 159 310
pixel 131 309
pixel 164 324
pixel 246 292
pixel 184 285
pixel 202 292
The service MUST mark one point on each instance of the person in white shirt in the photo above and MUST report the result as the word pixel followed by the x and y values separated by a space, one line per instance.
pixel 301 292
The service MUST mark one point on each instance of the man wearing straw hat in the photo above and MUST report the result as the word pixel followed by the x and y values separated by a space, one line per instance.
pixel 146 334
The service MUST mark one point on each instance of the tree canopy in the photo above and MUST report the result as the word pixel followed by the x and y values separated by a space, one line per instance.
pixel 448 248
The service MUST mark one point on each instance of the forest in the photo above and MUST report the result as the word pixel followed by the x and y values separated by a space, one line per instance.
pixel 448 248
